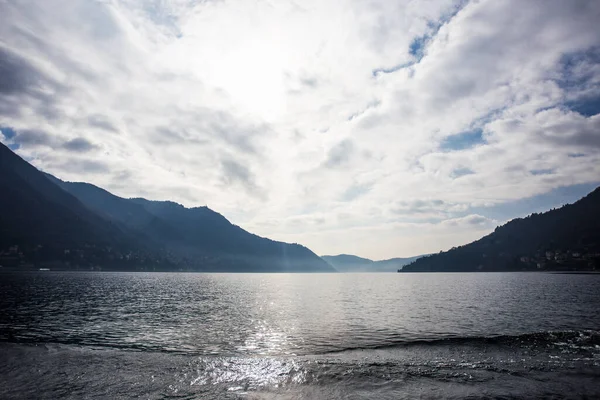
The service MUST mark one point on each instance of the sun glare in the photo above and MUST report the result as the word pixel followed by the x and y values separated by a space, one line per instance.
pixel 252 75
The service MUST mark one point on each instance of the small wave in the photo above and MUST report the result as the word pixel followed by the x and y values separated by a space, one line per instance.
pixel 566 340
pixel 94 344
pixel 584 339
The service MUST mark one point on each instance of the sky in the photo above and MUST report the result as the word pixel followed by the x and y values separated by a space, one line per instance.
pixel 377 128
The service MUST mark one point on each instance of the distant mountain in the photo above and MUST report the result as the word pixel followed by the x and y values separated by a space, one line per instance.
pixel 350 263
pixel 394 264
pixel 567 238
pixel 47 222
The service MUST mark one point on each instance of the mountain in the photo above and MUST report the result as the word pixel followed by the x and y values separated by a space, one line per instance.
pixel 350 263
pixel 33 210
pixel 394 264
pixel 41 223
pixel 126 214
pixel 202 237
pixel 45 221
pixel 567 238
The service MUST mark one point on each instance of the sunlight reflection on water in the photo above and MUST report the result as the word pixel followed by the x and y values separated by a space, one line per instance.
pixel 318 336
pixel 267 340
pixel 248 373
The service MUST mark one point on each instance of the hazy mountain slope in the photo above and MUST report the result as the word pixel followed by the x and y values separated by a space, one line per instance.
pixel 564 238
pixel 207 233
pixel 33 210
pixel 394 264
pixel 198 238
pixel 43 225
pixel 123 212
pixel 350 263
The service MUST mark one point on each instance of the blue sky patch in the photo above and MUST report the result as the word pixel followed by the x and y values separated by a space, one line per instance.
pixel 536 204
pixel 458 172
pixel 417 46
pixel 8 132
pixel 463 140
pixel 419 43
pixel 572 69
pixel 395 68
pixel 577 74
pixel 355 191
pixel 586 106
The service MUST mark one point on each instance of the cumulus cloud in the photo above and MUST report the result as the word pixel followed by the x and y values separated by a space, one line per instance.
pixel 34 138
pixel 387 128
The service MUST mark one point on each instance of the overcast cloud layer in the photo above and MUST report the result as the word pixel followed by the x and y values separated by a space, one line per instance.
pixel 378 128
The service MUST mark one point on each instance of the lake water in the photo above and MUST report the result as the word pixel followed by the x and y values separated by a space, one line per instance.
pixel 355 336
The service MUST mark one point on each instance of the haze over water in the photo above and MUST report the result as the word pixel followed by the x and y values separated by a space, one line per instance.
pixel 154 335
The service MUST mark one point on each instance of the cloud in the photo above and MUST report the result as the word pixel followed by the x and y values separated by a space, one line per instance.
pixel 387 128
pixel 80 145
pixel 87 166
pixel 17 74
pixel 75 165
pixel 34 138
pixel 568 128
pixel 102 122
pixel 236 173
pixel 470 220
pixel 426 206
pixel 547 171
pixel 339 154
pixel 355 191
pixel 23 84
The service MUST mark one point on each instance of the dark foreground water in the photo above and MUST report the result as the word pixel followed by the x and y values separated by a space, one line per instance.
pixel 355 336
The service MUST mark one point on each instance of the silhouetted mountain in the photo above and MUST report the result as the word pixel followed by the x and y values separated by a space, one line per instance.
pixel 33 210
pixel 350 263
pixel 199 236
pixel 41 223
pixel 567 238
pixel 47 222
pixel 122 212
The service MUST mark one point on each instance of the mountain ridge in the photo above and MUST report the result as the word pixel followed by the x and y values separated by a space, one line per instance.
pixel 45 221
pixel 566 238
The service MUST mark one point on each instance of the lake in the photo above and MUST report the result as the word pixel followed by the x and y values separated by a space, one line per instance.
pixel 322 336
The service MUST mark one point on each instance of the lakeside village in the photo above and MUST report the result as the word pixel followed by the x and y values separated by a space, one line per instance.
pixel 96 258
pixel 88 257
pixel 562 260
